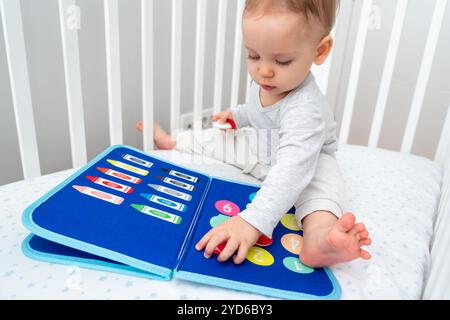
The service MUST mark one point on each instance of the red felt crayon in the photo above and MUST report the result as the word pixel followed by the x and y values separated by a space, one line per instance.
pixel 111 184
pixel 120 175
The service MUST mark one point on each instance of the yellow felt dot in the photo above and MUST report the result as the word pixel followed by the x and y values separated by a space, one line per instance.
pixel 290 222
pixel 260 256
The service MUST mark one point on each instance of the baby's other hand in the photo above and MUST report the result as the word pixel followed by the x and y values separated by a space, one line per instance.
pixel 239 235
pixel 223 116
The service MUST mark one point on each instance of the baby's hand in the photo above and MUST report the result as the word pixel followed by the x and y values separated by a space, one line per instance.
pixel 223 116
pixel 239 235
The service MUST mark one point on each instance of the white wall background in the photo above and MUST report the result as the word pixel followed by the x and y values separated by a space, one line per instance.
pixel 41 27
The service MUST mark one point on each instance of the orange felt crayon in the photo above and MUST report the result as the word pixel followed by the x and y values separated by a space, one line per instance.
pixel 120 175
pixel 111 184
pixel 99 194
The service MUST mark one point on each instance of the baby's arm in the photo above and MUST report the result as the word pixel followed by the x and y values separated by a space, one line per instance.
pixel 301 138
pixel 302 135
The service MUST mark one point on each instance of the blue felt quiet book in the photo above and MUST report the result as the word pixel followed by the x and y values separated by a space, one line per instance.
pixel 130 212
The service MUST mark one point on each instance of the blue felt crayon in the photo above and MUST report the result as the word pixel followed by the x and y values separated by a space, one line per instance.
pixel 165 202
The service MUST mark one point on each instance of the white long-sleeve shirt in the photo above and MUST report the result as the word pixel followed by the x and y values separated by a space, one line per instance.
pixel 291 134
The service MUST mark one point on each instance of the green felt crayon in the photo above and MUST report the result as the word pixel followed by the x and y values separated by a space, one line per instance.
pixel 157 213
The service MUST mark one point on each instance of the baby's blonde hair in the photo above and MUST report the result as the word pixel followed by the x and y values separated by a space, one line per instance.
pixel 324 10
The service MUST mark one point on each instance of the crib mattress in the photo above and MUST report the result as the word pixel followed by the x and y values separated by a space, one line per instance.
pixel 396 195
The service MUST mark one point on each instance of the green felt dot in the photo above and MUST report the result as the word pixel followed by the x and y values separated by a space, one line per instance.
pixel 215 221
pixel 295 265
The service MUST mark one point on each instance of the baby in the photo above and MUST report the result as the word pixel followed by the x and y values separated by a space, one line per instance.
pixel 283 38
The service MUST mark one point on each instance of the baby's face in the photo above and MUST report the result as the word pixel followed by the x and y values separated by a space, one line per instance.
pixel 281 50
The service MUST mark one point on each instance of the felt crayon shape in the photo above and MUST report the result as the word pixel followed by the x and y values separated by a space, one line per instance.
pixel 171 192
pixel 165 202
pixel 99 194
pixel 111 184
pixel 157 213
pixel 181 175
pixel 137 160
pixel 120 175
pixel 127 167
pixel 176 183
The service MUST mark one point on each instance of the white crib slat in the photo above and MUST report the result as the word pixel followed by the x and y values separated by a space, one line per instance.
pixel 443 149
pixel 20 86
pixel 113 71
pixel 147 73
pixel 424 75
pixel 237 54
pixel 220 55
pixel 199 63
pixel 175 79
pixel 355 71
pixel 388 71
pixel 72 74
pixel 337 58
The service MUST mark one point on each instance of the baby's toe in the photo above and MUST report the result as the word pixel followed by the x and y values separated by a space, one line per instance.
pixel 346 222
pixel 359 227
pixel 364 254
pixel 365 242
pixel 363 235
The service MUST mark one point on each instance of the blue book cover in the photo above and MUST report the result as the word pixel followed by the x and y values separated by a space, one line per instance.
pixel 130 212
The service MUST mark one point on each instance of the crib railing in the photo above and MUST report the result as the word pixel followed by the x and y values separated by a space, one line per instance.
pixel 22 101
pixel 330 77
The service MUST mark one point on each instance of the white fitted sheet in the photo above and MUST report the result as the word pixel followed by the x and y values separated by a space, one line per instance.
pixel 396 195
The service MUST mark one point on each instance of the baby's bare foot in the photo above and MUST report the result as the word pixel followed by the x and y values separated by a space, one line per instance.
pixel 161 138
pixel 340 243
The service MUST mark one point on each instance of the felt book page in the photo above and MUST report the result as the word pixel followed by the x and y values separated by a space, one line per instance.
pixel 126 206
pixel 272 266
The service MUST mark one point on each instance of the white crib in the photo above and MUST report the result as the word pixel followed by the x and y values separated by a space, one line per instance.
pixel 331 78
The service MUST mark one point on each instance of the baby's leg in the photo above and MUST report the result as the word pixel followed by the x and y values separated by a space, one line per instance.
pixel 161 138
pixel 235 147
pixel 329 237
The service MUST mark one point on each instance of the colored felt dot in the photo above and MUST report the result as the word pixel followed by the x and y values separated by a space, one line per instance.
pixel 215 221
pixel 252 196
pixel 289 221
pixel 260 256
pixel 292 242
pixel 227 207
pixel 220 247
pixel 295 265
pixel 264 241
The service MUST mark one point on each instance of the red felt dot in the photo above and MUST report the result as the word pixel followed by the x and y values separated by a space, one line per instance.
pixel 264 241
pixel 220 247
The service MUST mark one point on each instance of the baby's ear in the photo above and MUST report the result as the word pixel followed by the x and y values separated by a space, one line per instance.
pixel 323 50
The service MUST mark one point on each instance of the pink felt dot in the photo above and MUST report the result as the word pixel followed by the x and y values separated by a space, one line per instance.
pixel 227 207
